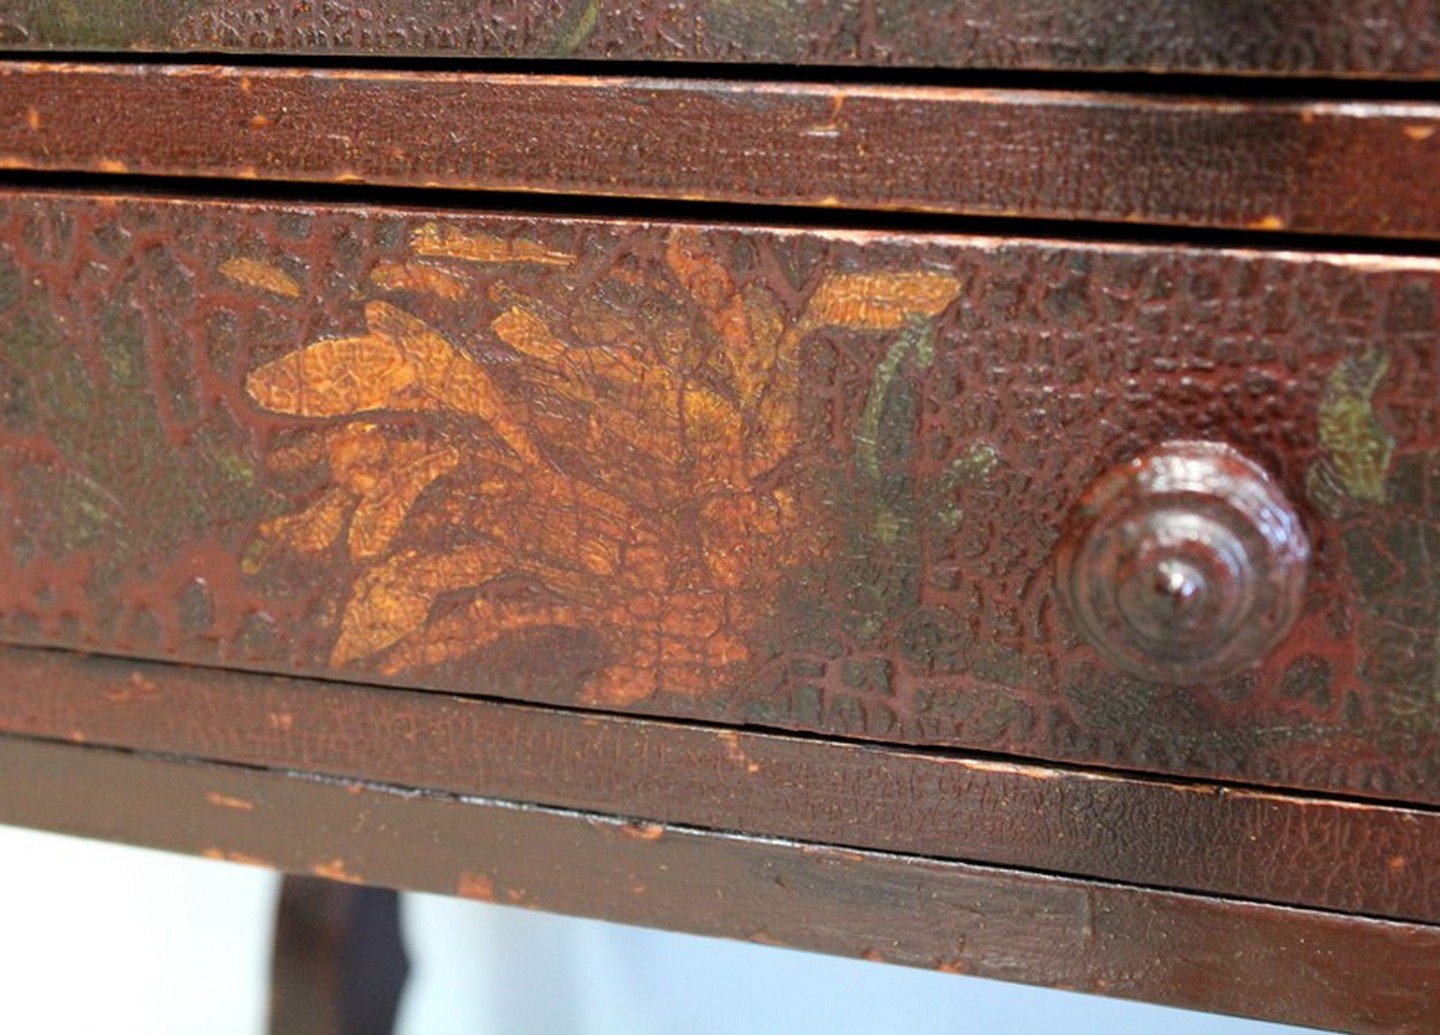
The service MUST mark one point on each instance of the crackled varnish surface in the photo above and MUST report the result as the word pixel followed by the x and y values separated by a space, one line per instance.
pixel 800 479
pixel 1298 37
pixel 1273 846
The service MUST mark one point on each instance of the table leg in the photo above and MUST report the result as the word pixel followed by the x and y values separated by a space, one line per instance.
pixel 339 963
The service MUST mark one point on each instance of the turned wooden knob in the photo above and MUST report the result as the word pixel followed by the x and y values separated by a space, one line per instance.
pixel 1185 565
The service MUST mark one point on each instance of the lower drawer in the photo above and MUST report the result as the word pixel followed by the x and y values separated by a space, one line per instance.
pixel 1300 966
pixel 802 479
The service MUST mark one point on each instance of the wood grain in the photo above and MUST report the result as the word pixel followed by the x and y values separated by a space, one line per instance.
pixel 1283 964
pixel 799 479
pixel 1309 166
pixel 1253 844
pixel 1389 38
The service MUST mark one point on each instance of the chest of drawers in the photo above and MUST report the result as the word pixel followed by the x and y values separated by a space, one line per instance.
pixel 895 470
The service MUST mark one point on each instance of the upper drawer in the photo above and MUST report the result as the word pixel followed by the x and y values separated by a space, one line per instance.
pixel 804 479
pixel 1297 37
pixel 1256 164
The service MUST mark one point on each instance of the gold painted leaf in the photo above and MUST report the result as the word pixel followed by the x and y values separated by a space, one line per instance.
pixel 682 641
pixel 749 323
pixel 378 518
pixel 441 240
pixel 393 598
pixel 583 546
pixel 582 374
pixel 451 378
pixel 256 274
pixel 526 333
pixel 401 363
pixel 572 520
pixel 640 404
pixel 314 528
pixel 708 413
pixel 479 625
pixel 333 377
pixel 879 301
pixel 715 435
pixel 620 502
pixel 418 277
pixel 769 363
pixel 710 284
pixel 359 453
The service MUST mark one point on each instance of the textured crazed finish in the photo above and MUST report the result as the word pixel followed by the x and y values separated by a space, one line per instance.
pixel 800 479
pixel 1292 965
pixel 1327 37
pixel 1261 164
pixel 1244 843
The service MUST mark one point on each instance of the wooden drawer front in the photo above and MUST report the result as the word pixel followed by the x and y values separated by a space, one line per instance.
pixel 802 479
pixel 1299 37
pixel 1264 845
pixel 1257 164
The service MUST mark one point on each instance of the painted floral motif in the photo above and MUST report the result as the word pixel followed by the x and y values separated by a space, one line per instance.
pixel 614 479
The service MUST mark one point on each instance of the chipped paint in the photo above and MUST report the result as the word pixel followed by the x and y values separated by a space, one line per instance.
pixel 226 801
pixel 638 831
pixel 735 753
pixel 477 886
pixel 137 686
pixel 335 869
pixel 244 859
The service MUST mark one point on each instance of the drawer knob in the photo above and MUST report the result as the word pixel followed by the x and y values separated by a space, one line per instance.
pixel 1185 565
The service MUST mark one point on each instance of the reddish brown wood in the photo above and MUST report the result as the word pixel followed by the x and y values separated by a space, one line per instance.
pixel 1253 844
pixel 1268 165
pixel 1284 964
pixel 1326 37
pixel 798 479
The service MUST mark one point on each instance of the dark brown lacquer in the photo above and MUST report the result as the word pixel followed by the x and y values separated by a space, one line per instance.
pixel 1275 846
pixel 1390 38
pixel 1297 965
pixel 798 479
pixel 1185 565
pixel 1251 163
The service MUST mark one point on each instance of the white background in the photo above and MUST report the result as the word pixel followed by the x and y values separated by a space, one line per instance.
pixel 99 939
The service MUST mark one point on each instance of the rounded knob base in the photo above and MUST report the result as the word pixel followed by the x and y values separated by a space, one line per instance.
pixel 1185 565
